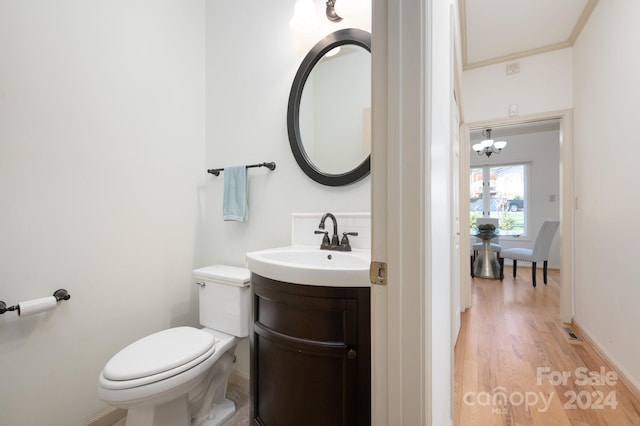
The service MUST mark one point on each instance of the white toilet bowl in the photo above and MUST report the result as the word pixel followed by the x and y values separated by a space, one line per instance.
pixel 155 389
pixel 178 377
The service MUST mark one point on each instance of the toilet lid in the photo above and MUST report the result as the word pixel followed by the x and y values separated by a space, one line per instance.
pixel 231 275
pixel 158 352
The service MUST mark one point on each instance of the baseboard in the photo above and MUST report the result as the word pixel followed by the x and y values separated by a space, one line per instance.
pixel 240 380
pixel 107 417
pixel 624 377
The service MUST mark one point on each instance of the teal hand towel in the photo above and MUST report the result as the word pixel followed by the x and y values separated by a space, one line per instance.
pixel 235 205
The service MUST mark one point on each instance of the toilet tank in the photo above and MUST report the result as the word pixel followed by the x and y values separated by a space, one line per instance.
pixel 225 298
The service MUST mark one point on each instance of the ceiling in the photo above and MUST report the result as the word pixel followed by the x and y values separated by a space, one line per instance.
pixel 502 132
pixel 494 31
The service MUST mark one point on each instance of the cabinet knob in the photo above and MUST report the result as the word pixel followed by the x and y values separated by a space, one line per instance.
pixel 352 354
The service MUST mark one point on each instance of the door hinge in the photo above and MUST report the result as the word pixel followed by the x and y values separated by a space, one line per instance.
pixel 378 273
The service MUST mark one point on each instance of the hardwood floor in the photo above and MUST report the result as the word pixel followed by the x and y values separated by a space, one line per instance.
pixel 515 365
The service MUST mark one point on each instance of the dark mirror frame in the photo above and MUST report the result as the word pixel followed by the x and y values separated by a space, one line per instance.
pixel 347 36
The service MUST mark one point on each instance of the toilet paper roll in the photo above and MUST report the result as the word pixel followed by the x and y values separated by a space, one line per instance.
pixel 36 306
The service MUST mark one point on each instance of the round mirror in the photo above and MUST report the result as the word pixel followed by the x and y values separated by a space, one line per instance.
pixel 329 116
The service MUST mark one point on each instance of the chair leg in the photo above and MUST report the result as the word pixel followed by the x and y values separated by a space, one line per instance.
pixel 533 273
pixel 515 266
pixel 544 272
pixel 472 259
pixel 501 262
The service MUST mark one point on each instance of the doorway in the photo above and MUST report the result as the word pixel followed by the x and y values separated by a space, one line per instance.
pixel 565 199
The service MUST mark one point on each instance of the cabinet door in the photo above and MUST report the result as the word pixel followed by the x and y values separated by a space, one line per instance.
pixel 302 382
pixel 310 355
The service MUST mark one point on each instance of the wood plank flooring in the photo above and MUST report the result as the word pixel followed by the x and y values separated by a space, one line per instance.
pixel 515 365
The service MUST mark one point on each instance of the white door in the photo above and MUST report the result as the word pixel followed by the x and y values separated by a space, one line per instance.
pixel 398 163
pixel 455 221
pixel 411 221
pixel 463 199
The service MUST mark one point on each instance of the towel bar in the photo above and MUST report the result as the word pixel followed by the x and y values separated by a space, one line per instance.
pixel 270 166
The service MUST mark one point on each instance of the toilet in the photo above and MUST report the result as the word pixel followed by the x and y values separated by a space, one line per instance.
pixel 178 377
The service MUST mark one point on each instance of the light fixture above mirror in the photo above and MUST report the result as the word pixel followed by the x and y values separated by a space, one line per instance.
pixel 331 11
pixel 488 146
pixel 304 15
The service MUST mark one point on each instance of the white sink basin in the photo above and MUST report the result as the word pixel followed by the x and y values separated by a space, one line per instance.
pixel 312 266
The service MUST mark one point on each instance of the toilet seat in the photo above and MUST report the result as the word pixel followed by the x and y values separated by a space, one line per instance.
pixel 157 357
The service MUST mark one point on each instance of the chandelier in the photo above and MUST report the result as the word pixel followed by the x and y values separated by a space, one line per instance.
pixel 488 146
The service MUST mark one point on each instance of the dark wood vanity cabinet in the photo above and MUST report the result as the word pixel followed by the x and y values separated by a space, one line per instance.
pixel 310 355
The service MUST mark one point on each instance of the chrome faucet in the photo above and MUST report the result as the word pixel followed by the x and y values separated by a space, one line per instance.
pixel 334 243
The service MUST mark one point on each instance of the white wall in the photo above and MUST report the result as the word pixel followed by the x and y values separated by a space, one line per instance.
pixel 541 151
pixel 606 93
pixel 250 70
pixel 543 84
pixel 101 161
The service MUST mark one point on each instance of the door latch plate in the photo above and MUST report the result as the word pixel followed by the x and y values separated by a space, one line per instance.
pixel 378 273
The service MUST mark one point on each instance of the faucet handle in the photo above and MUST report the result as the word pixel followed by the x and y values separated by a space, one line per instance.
pixel 345 240
pixel 325 239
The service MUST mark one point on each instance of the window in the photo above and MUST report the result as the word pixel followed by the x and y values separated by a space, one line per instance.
pixel 500 192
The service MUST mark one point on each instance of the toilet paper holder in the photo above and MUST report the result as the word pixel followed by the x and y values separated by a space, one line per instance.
pixel 60 294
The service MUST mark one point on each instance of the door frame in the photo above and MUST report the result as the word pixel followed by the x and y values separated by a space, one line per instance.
pixel 566 203
pixel 410 213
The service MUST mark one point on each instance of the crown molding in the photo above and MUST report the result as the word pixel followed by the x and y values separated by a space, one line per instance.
pixel 575 33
